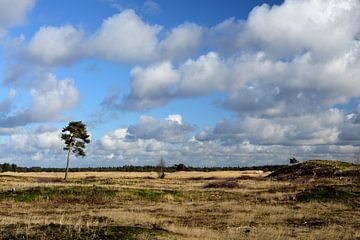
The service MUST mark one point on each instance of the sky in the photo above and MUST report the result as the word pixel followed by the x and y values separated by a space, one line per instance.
pixel 203 83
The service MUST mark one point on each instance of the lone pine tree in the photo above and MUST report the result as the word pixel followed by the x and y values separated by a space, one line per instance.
pixel 75 137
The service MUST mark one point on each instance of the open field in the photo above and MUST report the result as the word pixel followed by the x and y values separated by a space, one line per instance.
pixel 184 205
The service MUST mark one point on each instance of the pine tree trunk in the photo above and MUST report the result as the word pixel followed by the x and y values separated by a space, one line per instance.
pixel 67 163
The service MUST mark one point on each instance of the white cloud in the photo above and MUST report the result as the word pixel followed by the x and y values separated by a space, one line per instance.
pixel 50 98
pixel 152 86
pixel 322 27
pixel 206 74
pixel 271 66
pixel 13 12
pixel 124 37
pixel 118 147
pixel 34 141
pixel 283 71
pixel 175 118
pixel 321 128
pixel 55 45
pixel 160 83
pixel 183 41
pixel 168 131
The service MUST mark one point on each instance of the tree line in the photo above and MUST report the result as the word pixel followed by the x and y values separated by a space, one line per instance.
pixel 6 167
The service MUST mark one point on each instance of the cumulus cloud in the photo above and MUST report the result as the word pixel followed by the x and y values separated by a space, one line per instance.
pixel 151 86
pixel 124 37
pixel 170 131
pixel 50 98
pixel 13 12
pixel 117 145
pixel 23 142
pixel 55 45
pixel 322 128
pixel 232 144
pixel 160 83
pixel 284 71
pixel 181 42
pixel 325 28
pixel 146 141
pixel 40 146
pixel 268 66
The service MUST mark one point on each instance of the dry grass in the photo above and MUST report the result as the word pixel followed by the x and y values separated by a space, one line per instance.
pixel 142 175
pixel 177 207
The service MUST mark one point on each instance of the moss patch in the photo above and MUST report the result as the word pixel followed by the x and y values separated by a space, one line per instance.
pixel 77 194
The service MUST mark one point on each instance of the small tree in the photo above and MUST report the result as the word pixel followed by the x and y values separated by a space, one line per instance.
pixel 160 168
pixel 75 137
pixel 293 160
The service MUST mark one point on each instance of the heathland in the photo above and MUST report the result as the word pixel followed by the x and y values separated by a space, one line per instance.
pixel 311 200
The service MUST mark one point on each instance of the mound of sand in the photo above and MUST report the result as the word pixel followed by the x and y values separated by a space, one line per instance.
pixel 316 169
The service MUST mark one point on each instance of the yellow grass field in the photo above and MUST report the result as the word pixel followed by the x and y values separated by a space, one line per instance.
pixel 184 205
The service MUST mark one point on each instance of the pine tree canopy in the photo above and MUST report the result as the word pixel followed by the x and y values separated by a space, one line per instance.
pixel 75 137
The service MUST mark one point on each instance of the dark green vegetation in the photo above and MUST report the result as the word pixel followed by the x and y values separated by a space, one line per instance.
pixel 68 232
pixel 348 194
pixel 223 184
pixel 75 136
pixel 6 167
pixel 76 194
pixel 317 169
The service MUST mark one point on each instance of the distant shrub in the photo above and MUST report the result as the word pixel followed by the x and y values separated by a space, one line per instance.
pixel 326 194
pixel 222 184
pixel 293 161
pixel 49 180
pixel 160 168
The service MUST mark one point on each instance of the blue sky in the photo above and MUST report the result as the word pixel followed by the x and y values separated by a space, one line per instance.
pixel 205 83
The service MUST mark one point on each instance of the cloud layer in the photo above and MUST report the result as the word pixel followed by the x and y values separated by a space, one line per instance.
pixel 289 73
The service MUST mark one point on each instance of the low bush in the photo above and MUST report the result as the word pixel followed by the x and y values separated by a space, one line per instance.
pixel 222 184
pixel 327 194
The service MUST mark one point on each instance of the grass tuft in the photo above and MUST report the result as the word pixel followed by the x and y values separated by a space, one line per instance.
pixel 223 184
pixel 155 195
